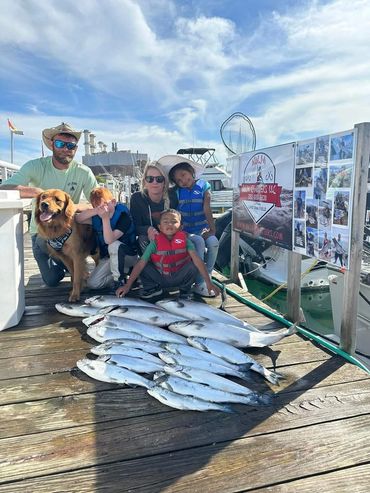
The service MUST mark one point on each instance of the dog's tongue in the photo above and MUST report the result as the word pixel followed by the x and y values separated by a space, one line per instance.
pixel 45 216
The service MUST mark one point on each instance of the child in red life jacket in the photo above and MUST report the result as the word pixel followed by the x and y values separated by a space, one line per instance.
pixel 169 261
pixel 115 235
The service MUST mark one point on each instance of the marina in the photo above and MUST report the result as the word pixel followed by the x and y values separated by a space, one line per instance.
pixel 62 431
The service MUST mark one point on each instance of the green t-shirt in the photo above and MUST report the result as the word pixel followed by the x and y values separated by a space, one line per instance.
pixel 41 173
pixel 152 248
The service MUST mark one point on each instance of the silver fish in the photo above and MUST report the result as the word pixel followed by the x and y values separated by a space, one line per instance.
pixel 134 364
pixel 153 315
pixel 206 377
pixel 77 309
pixel 103 334
pixel 201 364
pixel 145 329
pixel 233 355
pixel 193 310
pixel 230 334
pixel 114 349
pixel 205 392
pixel 197 352
pixel 116 345
pixel 183 402
pixel 104 372
pixel 103 301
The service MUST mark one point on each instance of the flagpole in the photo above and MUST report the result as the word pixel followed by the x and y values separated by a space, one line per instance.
pixel 11 146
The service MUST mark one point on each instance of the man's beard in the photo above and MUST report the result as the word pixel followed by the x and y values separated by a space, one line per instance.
pixel 65 160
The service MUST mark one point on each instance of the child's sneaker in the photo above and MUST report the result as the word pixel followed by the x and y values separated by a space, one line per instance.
pixel 186 295
pixel 202 290
pixel 147 294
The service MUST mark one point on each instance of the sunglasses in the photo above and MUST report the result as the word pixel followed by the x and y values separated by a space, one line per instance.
pixel 60 144
pixel 158 179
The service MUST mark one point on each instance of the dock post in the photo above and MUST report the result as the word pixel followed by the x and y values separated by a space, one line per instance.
pixel 294 287
pixel 352 276
pixel 234 257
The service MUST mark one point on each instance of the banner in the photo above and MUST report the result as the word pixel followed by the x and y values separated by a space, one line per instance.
pixel 14 129
pixel 263 204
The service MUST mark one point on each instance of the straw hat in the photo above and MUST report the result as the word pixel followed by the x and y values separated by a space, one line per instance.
pixel 169 161
pixel 48 134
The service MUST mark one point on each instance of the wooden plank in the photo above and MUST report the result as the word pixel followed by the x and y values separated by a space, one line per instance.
pixel 300 377
pixel 289 410
pixel 246 463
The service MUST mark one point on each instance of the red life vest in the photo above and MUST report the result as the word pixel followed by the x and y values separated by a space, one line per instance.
pixel 171 255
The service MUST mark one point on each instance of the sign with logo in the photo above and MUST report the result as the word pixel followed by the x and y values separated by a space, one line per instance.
pixel 264 205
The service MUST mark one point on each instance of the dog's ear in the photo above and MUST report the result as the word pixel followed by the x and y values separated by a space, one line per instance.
pixel 37 205
pixel 70 207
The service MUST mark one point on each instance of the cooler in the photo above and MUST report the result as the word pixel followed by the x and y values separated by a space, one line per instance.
pixel 12 298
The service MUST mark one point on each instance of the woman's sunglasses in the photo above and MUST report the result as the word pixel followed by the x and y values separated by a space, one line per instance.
pixel 158 179
pixel 60 144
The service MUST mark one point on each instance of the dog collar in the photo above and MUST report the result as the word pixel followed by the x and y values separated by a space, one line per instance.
pixel 57 243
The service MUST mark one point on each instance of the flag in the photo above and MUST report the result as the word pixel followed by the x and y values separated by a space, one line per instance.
pixel 14 129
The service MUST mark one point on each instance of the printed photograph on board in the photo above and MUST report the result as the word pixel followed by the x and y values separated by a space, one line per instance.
pixel 340 176
pixel 322 150
pixel 320 180
pixel 325 213
pixel 311 242
pixel 339 254
pixel 324 245
pixel 341 206
pixel 305 152
pixel 341 146
pixel 299 203
pixel 311 213
pixel 303 177
pixel 299 234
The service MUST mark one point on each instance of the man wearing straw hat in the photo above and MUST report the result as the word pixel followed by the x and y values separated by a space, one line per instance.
pixel 57 171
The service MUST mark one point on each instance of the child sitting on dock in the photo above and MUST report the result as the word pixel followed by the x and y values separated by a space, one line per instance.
pixel 168 262
pixel 116 239
pixel 194 204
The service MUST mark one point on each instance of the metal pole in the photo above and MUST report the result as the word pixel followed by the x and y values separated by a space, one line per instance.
pixel 294 287
pixel 352 276
pixel 11 146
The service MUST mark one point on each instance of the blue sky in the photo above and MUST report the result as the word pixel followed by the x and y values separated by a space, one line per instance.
pixel 158 75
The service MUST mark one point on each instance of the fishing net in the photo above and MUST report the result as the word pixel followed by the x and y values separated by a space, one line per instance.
pixel 238 134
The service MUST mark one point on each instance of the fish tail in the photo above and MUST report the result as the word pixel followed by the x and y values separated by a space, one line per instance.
pixel 265 399
pixel 273 376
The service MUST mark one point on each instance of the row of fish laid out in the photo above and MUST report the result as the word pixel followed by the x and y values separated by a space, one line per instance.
pixel 182 318
pixel 187 359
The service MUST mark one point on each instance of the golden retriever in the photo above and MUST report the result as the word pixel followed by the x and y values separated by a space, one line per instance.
pixel 67 240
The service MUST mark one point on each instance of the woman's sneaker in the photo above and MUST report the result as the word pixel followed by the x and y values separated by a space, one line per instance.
pixel 147 294
pixel 202 290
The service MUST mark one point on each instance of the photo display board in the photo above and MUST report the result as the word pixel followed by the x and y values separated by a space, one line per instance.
pixel 299 195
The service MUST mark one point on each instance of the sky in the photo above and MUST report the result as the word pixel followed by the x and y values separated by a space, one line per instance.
pixel 159 75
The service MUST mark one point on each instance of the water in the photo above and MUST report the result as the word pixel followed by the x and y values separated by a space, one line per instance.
pixel 316 305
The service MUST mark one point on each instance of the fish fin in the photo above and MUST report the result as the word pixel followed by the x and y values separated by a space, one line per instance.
pixel 223 298
pixel 266 399
pixel 160 378
pixel 110 308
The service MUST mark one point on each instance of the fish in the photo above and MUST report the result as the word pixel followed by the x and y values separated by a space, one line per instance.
pixel 104 334
pixel 128 351
pixel 205 392
pixel 233 355
pixel 153 315
pixel 184 402
pixel 138 365
pixel 202 364
pixel 193 310
pixel 152 332
pixel 194 352
pixel 77 309
pixel 104 372
pixel 103 301
pixel 116 345
pixel 206 377
pixel 230 334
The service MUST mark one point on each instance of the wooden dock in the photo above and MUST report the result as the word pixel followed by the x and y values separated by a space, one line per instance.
pixel 64 432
